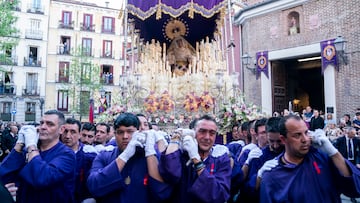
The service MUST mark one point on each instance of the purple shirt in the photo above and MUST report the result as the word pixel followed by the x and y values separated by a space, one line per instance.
pixel 49 177
pixel 213 184
pixel 316 179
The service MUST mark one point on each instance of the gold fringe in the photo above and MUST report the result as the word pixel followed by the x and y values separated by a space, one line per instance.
pixel 158 11
pixel 191 10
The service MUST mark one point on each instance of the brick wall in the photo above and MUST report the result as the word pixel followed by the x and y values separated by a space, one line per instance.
pixel 319 20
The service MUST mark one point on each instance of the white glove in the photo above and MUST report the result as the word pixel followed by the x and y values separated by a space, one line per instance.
pixel 320 141
pixel 130 150
pixel 139 136
pixel 160 135
pixel 150 143
pixel 253 154
pixel 190 145
pixel 268 166
pixel 30 135
pixel 21 138
pixel 185 132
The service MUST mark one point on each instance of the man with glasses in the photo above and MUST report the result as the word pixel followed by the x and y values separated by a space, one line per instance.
pixel 206 176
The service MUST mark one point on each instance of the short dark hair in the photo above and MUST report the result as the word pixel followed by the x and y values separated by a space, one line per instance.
pixel 88 126
pixel 272 125
pixel 260 122
pixel 245 126
pixel 357 114
pixel 127 120
pixel 192 123
pixel 282 127
pixel 73 121
pixel 205 117
pixel 104 124
pixel 58 113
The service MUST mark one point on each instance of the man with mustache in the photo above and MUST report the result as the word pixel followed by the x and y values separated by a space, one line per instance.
pixel 310 170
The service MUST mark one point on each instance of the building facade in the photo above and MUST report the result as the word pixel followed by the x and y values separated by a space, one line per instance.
pixel 22 83
pixel 97 32
pixel 291 31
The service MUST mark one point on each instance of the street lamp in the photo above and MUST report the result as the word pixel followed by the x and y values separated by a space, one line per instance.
pixel 246 61
pixel 340 45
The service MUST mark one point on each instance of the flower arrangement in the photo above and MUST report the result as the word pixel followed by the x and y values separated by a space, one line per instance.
pixel 151 104
pixel 165 102
pixel 207 102
pixel 111 114
pixel 191 103
pixel 236 111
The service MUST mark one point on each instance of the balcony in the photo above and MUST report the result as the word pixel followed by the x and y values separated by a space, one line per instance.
pixel 107 79
pixel 7 89
pixel 5 116
pixel 107 30
pixel 29 116
pixel 66 25
pixel 16 7
pixel 107 54
pixel 31 91
pixel 37 9
pixel 34 62
pixel 8 60
pixel 88 52
pixel 89 28
pixel 61 78
pixel 60 50
pixel 34 34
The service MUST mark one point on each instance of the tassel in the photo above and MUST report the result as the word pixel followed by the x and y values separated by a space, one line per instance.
pixel 191 10
pixel 158 12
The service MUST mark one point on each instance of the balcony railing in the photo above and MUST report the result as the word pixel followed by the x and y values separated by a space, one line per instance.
pixel 7 89
pixel 107 79
pixel 61 50
pixel 88 52
pixel 61 78
pixel 107 30
pixel 5 116
pixel 31 91
pixel 35 62
pixel 29 116
pixel 66 25
pixel 7 60
pixel 107 54
pixel 90 28
pixel 33 34
pixel 31 8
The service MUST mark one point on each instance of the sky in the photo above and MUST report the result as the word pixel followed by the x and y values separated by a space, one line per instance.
pixel 117 4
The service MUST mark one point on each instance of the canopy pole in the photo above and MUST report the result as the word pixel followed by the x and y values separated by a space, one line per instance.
pixel 232 44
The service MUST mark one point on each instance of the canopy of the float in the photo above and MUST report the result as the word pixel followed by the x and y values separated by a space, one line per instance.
pixel 151 16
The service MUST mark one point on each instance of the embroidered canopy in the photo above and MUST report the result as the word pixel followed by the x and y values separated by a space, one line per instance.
pixel 152 16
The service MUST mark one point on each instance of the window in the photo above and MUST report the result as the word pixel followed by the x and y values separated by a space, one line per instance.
pixel 87 23
pixel 6 111
pixel 34 32
pixel 86 71
pixel 36 4
pixel 86 46
pixel 107 49
pixel 35 24
pixel 31 84
pixel 107 74
pixel 30 111
pixel 64 72
pixel 64 47
pixel 66 21
pixel 33 59
pixel 294 23
pixel 62 103
pixel 108 24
